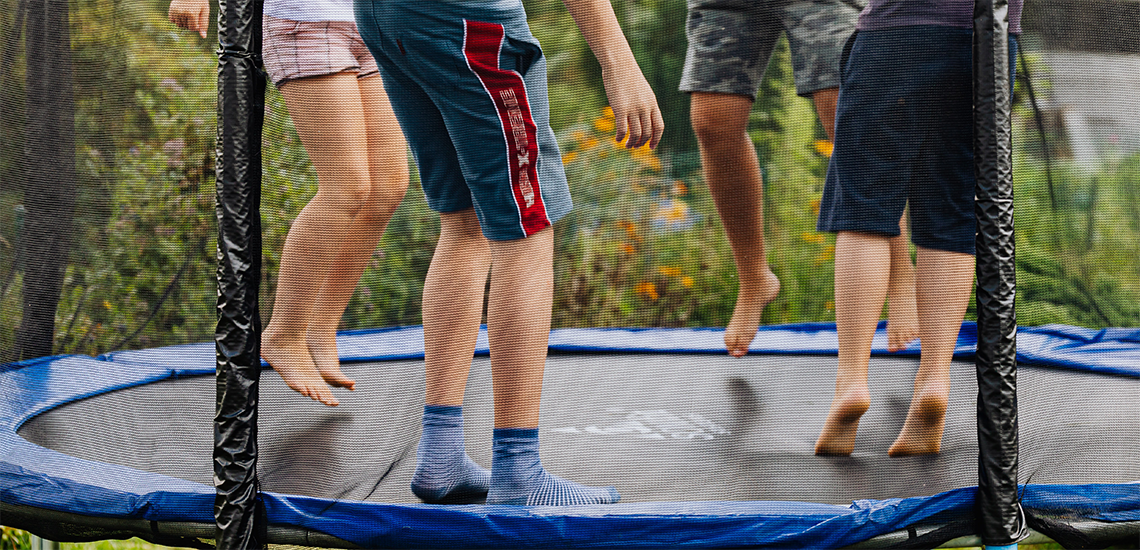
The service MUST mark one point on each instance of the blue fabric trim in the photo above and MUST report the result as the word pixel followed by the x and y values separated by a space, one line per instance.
pixel 34 476
pixel 444 410
pixel 516 433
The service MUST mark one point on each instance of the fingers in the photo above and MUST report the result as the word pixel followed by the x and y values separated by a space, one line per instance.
pixel 641 126
pixel 203 22
pixel 193 15
pixel 621 127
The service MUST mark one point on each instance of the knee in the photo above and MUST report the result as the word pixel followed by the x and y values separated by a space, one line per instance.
pixel 717 117
pixel 384 195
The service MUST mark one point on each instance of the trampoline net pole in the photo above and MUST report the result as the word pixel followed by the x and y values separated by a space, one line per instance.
pixel 1000 518
pixel 241 90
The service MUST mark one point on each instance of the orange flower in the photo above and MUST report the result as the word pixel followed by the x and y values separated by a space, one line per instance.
pixel 627 248
pixel 824 147
pixel 647 289
pixel 630 230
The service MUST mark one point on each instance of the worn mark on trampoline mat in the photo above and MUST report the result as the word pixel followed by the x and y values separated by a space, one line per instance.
pixel 654 424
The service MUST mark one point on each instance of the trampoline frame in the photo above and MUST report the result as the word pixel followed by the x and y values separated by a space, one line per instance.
pixel 153 512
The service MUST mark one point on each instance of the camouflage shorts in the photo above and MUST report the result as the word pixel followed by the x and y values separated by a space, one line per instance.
pixel 730 42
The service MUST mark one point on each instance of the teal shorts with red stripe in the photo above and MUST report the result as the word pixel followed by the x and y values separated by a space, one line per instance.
pixel 467 81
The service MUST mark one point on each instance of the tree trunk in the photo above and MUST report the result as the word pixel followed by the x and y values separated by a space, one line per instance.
pixel 49 164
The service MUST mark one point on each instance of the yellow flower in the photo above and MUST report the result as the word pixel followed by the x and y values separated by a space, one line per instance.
pixel 830 305
pixel 824 147
pixel 604 125
pixel 813 238
pixel 828 255
pixel 673 212
pixel 608 112
pixel 106 304
pixel 569 157
pixel 815 206
pixel 669 271
pixel 590 143
pixel 687 281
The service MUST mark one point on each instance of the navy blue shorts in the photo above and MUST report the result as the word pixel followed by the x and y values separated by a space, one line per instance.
pixel 904 134
pixel 467 82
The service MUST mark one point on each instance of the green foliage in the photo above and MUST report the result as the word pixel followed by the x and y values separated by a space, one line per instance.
pixel 1077 263
pixel 14 539
pixel 630 253
pixel 643 247
pixel 140 263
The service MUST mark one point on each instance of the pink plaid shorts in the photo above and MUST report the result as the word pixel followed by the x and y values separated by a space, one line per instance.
pixel 300 49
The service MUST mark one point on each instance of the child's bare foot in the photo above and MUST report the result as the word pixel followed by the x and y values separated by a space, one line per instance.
pixel 325 356
pixel 838 435
pixel 922 432
pixel 291 359
pixel 902 319
pixel 745 320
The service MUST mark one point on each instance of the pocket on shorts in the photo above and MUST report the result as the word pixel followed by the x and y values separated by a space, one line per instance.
pixel 519 55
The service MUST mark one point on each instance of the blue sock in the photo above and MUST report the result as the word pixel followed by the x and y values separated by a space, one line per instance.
pixel 444 472
pixel 517 475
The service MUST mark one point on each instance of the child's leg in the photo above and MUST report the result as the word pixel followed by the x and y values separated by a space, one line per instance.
pixel 453 306
pixel 452 309
pixel 902 317
pixel 327 113
pixel 518 324
pixel 902 321
pixel 388 166
pixel 861 278
pixel 732 171
pixel 944 282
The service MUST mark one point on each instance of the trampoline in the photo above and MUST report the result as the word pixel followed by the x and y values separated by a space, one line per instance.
pixel 707 451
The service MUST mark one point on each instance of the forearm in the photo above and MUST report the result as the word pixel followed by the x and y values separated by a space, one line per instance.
pixel 599 25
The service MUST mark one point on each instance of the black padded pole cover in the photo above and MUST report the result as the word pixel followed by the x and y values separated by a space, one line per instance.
pixel 1000 518
pixel 241 110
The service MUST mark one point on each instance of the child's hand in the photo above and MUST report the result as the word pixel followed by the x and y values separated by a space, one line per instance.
pixel 192 15
pixel 636 113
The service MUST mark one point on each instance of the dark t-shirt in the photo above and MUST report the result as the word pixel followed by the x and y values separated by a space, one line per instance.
pixel 885 14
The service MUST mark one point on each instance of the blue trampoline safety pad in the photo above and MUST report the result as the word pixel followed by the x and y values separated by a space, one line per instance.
pixel 33 476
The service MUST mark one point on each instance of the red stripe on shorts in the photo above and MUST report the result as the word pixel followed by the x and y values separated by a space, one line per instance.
pixel 481 45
